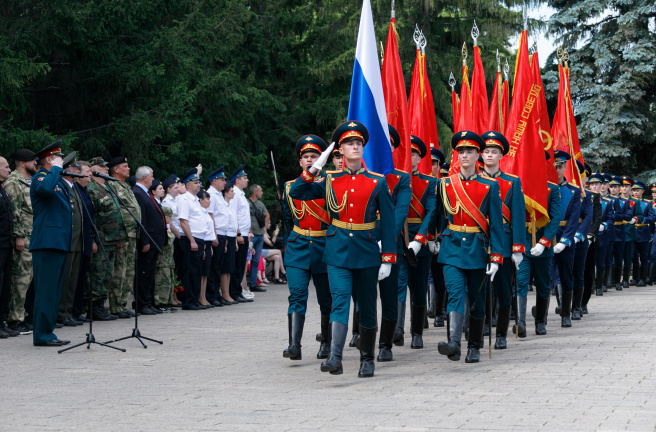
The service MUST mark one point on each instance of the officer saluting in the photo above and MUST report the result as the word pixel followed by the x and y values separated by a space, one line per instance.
pixel 50 242
pixel 307 222
pixel 352 254
pixel 472 241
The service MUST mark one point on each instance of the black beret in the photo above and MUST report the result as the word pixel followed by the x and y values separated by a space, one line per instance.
pixel 24 155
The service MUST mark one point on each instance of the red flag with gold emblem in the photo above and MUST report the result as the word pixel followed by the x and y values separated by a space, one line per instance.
pixel 465 121
pixel 426 164
pixel 526 147
pixel 543 122
pixel 396 99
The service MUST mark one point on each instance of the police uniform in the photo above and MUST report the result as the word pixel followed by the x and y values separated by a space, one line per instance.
pixel 513 209
pixel 607 220
pixel 243 211
pixel 623 214
pixel 589 220
pixel 630 231
pixel 218 251
pixel 112 232
pixel 536 267
pixel 352 254
pixel 399 184
pixel 123 276
pixel 172 203
pixel 306 221
pixel 18 189
pixel 473 238
pixel 643 234
pixel 421 228
pixel 50 244
pixel 568 235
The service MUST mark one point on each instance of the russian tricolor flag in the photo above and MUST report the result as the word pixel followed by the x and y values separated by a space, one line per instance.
pixel 367 103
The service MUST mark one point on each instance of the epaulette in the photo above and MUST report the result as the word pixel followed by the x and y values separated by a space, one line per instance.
pixel 572 184
pixel 552 183
pixel 290 181
pixel 375 173
pixel 401 171
pixel 333 172
pixel 511 175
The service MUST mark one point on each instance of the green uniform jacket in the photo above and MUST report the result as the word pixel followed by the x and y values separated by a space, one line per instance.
pixel 124 192
pixel 19 192
pixel 109 219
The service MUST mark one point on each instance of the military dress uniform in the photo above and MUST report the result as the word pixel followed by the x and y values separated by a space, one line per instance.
pixel 563 262
pixel 652 248
pixel 50 244
pixel 643 234
pixel 623 214
pixel 421 228
pixel 18 189
pixel 123 276
pixel 112 233
pixel 472 239
pixel 607 278
pixel 399 184
pixel 306 221
pixel 352 254
pixel 536 267
pixel 513 209
pixel 605 226
pixel 630 230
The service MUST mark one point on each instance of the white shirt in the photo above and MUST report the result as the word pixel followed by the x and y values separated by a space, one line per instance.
pixel 190 210
pixel 210 235
pixel 172 203
pixel 144 188
pixel 218 210
pixel 242 210
pixel 231 224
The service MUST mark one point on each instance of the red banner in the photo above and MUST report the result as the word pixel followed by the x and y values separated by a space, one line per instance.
pixel 479 101
pixel 495 116
pixel 543 122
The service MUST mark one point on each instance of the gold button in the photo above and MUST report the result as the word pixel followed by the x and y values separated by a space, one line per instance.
pixel 352 190
pixel 353 178
pixel 375 181
pixel 350 234
pixel 464 239
pixel 310 241
pixel 348 227
pixel 350 205
pixel 351 220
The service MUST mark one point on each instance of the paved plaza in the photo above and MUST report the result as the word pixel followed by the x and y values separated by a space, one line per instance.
pixel 222 369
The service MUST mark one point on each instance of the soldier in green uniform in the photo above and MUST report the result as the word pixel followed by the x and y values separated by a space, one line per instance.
pixel 123 277
pixel 164 277
pixel 114 237
pixel 18 189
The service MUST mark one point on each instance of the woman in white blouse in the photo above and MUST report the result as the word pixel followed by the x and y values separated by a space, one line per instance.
pixel 229 229
pixel 208 239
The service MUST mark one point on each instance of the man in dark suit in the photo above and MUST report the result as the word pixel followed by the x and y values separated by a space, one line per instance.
pixel 50 242
pixel 89 247
pixel 152 218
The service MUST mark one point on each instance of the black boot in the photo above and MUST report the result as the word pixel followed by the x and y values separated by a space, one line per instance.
pixel 599 281
pixel 356 329
pixel 520 328
pixel 608 279
pixel 617 275
pixel 636 275
pixel 367 350
pixel 503 319
pixel 565 309
pixel 475 340
pixel 432 301
pixel 577 297
pixel 451 349
pixel 643 277
pixel 385 341
pixel 334 362
pixel 651 274
pixel 513 309
pixel 324 348
pixel 440 315
pixel 417 315
pixel 400 320
pixel 541 309
pixel 625 276
pixel 296 321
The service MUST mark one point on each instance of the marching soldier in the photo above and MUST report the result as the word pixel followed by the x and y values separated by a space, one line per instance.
pixel 607 279
pixel 595 183
pixel 643 234
pixel 354 196
pixel 630 229
pixel 513 208
pixel 123 276
pixel 589 220
pixel 472 243
pixel 307 222
pixel 337 159
pixel 421 229
pixel 17 187
pixel 652 253
pixel 567 235
pixel 537 262
pixel 623 214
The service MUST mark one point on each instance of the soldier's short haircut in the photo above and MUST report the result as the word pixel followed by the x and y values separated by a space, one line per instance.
pixel 253 188
pixel 142 172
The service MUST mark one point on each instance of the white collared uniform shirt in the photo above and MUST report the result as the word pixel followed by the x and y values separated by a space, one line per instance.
pixel 190 210
pixel 242 210
pixel 172 203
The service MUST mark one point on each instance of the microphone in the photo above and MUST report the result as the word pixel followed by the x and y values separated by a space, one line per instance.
pixel 104 177
pixel 70 174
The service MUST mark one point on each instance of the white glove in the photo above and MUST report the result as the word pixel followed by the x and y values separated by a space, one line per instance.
pixel 58 162
pixel 321 160
pixel 634 220
pixel 559 247
pixel 200 169
pixel 415 246
pixel 438 245
pixel 538 250
pixel 380 246
pixel 602 228
pixel 517 258
pixel 384 271
pixel 432 247
pixel 576 240
pixel 492 269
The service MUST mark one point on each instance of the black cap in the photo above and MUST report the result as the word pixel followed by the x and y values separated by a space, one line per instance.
pixel 117 161
pixel 24 155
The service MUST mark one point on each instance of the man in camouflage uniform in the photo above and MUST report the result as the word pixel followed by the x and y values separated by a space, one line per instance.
pixel 114 237
pixel 164 282
pixel 17 186
pixel 123 278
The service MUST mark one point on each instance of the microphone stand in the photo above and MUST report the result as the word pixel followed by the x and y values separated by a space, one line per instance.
pixel 90 338
pixel 135 331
